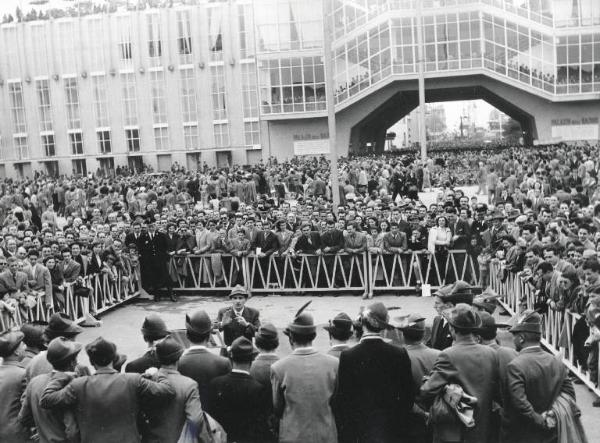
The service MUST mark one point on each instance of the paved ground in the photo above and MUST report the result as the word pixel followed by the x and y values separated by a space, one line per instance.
pixel 122 325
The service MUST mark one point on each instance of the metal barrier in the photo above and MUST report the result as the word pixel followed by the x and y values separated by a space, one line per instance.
pixel 408 270
pixel 518 294
pixel 208 272
pixel 105 292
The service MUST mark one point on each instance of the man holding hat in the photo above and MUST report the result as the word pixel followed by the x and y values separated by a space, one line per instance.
pixel 238 319
pixel 340 331
pixel 237 401
pixel 52 425
pixel 167 419
pixel 303 386
pixel 106 403
pixel 12 383
pixel 535 379
pixel 198 362
pixel 153 329
pixel 471 366
pixel 375 392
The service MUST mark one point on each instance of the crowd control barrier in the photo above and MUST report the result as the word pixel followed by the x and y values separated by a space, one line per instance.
pixel 518 294
pixel 95 294
pixel 363 273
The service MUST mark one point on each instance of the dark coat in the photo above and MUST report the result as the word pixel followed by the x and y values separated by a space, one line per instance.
pixel 202 366
pixel 374 392
pixel 267 241
pixel 440 335
pixel 241 405
pixel 304 247
pixel 12 386
pixel 232 329
pixel 334 240
pixel 146 361
pixel 534 379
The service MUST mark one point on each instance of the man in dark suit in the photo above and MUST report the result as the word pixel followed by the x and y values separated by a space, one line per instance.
pixel 12 384
pixel 238 319
pixel 466 367
pixel 332 240
pixel 70 268
pixel 153 259
pixel 167 418
pixel 105 403
pixel 135 235
pixel 264 244
pixel 198 362
pixel 535 378
pixel 95 259
pixel 340 331
pixel 445 299
pixel 375 391
pixel 309 242
pixel 237 401
pixel 153 330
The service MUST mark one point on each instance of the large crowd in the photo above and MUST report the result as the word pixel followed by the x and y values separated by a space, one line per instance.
pixel 537 216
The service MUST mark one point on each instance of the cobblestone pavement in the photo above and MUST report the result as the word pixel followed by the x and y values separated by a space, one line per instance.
pixel 122 325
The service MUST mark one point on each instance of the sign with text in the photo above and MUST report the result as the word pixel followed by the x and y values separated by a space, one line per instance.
pixel 569 129
pixel 311 146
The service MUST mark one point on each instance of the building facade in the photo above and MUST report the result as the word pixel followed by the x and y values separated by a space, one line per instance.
pixel 239 81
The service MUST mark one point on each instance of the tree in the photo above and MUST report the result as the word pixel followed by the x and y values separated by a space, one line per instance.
pixel 511 130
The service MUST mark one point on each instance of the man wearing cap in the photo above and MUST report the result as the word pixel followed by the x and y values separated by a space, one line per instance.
pixel 471 366
pixel 303 386
pixel 153 258
pixel 535 379
pixel 34 341
pixel 153 330
pixel 198 362
pixel 12 384
pixel 106 403
pixel 239 402
pixel 59 325
pixel 52 425
pixel 267 342
pixel 167 418
pixel 238 319
pixel 340 331
pixel 374 394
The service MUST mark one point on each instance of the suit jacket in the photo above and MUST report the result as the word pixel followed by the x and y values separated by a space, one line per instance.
pixel 303 246
pixel 167 417
pixel 303 386
pixel 12 385
pixel 334 240
pixel 71 271
pixel 52 425
pixel 241 405
pixel 354 243
pixel 422 360
pixel 202 366
pixel 107 403
pixel 83 262
pixel 41 281
pixel 146 361
pixel 261 369
pixel 130 239
pixel 10 284
pixel 153 250
pixel 474 367
pixel 534 379
pixel 374 392
pixel 440 334
pixel 95 264
pixel 172 243
pixel 232 329
pixel 267 241
pixel 391 242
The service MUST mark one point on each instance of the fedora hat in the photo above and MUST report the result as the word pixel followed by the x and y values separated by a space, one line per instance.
pixel 267 335
pixel 60 349
pixel 60 325
pixel 242 350
pixel 199 322
pixel 9 341
pixel 463 318
pixel 340 323
pixel 34 334
pixel 488 322
pixel 531 322
pixel 376 316
pixel 411 322
pixel 303 323
pixel 487 300
pixel 238 290
pixel 168 349
pixel 154 327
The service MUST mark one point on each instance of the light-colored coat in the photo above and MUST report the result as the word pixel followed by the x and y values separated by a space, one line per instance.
pixel 303 385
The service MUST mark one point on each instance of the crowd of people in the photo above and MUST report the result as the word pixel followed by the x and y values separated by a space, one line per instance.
pixel 538 218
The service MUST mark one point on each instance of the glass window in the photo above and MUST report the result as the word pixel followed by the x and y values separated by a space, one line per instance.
pixel 221 135
pixel 45 109
pixel 66 34
pixel 154 41
pixel 161 138
pixel 79 166
pixel 17 107
pixel 159 100
pixel 249 90
pixel 215 32
pixel 246 31
pixel 184 37
pixel 100 101
pixel 95 43
pixel 76 140
pixel 21 147
pixel 124 44
pixel 252 134
pixel 190 137
pixel 104 141
pixel 133 140
pixel 48 146
pixel 129 99
pixel 217 81
pixel 188 96
pixel 72 102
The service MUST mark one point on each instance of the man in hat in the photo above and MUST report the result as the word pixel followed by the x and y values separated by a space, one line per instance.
pixel 422 359
pixel 340 331
pixel 52 425
pixel 167 419
pixel 535 378
pixel 152 247
pixel 12 384
pixel 238 319
pixel 267 342
pixel 105 403
pixel 303 386
pixel 59 325
pixel 198 362
pixel 374 394
pixel 493 234
pixel 486 301
pixel 34 340
pixel 445 299
pixel 153 330
pixel 237 401
pixel 471 366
